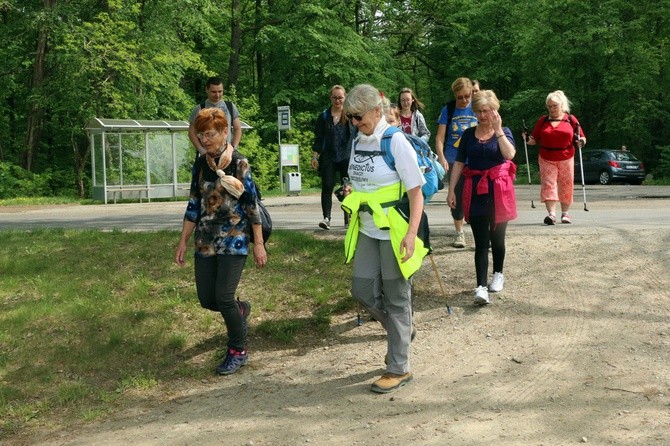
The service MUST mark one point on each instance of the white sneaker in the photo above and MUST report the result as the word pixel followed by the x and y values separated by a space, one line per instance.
pixel 459 241
pixel 497 282
pixel 325 224
pixel 482 296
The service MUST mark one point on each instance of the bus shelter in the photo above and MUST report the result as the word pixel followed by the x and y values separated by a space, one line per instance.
pixel 139 159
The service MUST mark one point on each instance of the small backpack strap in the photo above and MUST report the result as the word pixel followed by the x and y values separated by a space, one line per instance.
pixel 386 146
pixel 451 107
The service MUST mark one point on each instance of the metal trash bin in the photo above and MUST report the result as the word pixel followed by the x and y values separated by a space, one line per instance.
pixel 293 182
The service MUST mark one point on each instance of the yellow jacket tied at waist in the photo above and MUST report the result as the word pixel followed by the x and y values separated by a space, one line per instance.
pixel 392 219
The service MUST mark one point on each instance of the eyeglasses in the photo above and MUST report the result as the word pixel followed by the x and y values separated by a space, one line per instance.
pixel 482 112
pixel 208 135
pixel 463 98
pixel 337 98
pixel 551 107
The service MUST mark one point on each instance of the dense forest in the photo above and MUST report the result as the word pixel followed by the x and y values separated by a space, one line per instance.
pixel 63 62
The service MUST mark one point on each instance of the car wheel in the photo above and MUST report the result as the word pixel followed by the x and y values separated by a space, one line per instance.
pixel 605 177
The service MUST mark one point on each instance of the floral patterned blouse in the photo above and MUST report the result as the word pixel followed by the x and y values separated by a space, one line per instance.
pixel 222 222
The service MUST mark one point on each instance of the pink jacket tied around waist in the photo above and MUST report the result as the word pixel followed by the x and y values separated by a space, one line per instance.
pixel 502 176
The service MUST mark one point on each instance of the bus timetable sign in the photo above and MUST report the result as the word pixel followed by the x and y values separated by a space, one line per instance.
pixel 284 117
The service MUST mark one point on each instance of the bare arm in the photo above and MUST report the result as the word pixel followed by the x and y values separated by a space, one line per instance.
pixel 439 146
pixel 186 231
pixel 260 256
pixel 194 139
pixel 237 132
pixel 455 176
pixel 415 211
pixel 506 147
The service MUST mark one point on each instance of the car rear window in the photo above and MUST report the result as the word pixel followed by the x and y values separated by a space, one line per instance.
pixel 624 156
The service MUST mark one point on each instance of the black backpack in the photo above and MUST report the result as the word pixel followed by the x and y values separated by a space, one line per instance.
pixel 229 106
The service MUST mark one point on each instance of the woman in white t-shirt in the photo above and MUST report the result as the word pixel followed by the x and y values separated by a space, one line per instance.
pixel 384 247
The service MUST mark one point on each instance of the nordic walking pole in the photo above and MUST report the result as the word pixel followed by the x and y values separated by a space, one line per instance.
pixel 578 146
pixel 437 275
pixel 525 146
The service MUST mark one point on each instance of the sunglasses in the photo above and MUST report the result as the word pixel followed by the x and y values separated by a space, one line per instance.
pixel 351 117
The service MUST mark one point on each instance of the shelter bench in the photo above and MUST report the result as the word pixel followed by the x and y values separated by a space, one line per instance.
pixel 130 188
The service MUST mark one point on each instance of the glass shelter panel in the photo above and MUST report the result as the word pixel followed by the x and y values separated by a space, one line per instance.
pixel 185 155
pixel 160 157
pixel 133 167
pixel 97 162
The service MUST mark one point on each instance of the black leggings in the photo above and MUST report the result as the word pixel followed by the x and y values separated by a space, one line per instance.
pixel 216 280
pixel 485 231
pixel 331 174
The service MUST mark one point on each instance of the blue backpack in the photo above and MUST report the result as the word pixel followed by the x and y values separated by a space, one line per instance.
pixel 432 170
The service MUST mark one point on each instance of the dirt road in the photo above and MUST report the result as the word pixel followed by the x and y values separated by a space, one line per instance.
pixel 576 349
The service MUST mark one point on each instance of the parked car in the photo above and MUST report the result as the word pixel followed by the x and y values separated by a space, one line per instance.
pixel 608 166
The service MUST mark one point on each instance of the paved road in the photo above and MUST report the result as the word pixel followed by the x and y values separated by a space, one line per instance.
pixel 629 206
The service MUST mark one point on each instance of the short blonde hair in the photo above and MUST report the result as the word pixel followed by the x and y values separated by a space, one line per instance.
pixel 561 98
pixel 485 97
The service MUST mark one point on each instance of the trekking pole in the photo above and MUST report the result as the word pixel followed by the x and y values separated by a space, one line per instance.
pixel 437 275
pixel 525 146
pixel 578 146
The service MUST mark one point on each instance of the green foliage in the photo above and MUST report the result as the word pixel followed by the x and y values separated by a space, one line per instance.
pixel 522 174
pixel 18 182
pixel 149 60
pixel 662 171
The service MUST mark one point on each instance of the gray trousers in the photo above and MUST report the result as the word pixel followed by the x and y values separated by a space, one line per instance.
pixel 380 286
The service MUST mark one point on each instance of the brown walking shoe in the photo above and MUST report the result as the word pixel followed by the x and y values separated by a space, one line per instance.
pixel 390 382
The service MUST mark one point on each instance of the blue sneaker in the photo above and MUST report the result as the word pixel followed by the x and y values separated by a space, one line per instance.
pixel 234 360
pixel 245 310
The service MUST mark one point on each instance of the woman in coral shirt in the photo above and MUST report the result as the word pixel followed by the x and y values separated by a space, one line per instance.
pixel 557 135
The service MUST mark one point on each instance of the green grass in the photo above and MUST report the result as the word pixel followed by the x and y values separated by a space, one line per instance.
pixel 43 201
pixel 87 317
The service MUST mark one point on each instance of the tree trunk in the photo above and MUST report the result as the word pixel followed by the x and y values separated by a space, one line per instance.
pixel 258 52
pixel 79 164
pixel 35 118
pixel 235 42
